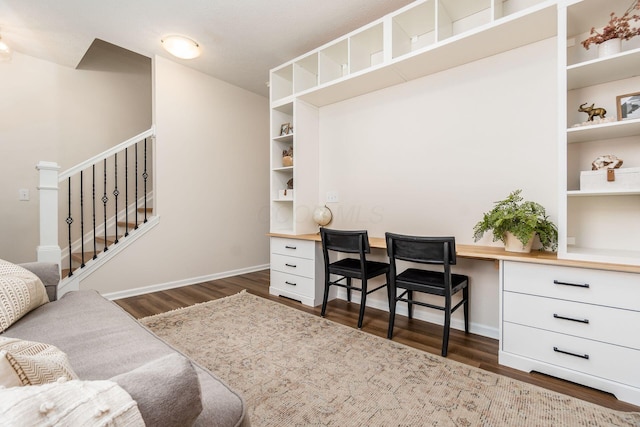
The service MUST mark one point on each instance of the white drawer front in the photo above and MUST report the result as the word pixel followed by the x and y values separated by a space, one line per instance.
pixel 610 288
pixel 608 361
pixel 609 325
pixel 292 265
pixel 291 283
pixel 293 247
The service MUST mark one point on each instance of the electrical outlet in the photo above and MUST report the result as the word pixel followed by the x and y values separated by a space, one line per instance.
pixel 23 194
pixel 332 197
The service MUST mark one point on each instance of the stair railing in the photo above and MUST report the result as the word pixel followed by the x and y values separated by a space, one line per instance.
pixel 89 196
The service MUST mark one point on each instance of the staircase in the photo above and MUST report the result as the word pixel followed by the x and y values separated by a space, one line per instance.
pixel 106 203
pixel 80 259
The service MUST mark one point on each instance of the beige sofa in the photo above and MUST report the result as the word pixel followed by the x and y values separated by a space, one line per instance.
pixel 103 342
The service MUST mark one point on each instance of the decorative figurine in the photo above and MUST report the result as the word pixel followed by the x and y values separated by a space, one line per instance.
pixel 600 112
pixel 287 157
pixel 608 161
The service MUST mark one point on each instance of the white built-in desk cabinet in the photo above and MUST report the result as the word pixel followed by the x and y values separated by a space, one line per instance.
pixel 574 314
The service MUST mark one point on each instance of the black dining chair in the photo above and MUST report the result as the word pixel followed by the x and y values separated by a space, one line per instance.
pixel 355 243
pixel 426 250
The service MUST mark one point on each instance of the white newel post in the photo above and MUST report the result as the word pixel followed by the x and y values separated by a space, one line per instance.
pixel 48 250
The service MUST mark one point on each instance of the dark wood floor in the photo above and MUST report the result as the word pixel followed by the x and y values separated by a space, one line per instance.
pixel 470 349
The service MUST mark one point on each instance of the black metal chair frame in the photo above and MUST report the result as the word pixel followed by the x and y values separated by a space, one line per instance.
pixel 351 242
pixel 426 250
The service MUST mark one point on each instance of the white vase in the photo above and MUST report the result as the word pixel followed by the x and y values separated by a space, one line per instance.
pixel 512 244
pixel 609 47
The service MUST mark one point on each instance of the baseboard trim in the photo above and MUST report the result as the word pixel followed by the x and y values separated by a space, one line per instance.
pixel 423 314
pixel 184 282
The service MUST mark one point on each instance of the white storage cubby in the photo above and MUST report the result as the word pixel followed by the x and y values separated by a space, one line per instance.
pixel 366 48
pixel 305 73
pixel 505 8
pixel 414 28
pixel 597 224
pixel 281 82
pixel 457 17
pixel 333 62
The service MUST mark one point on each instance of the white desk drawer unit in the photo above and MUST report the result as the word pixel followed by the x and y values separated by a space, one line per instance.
pixel 579 324
pixel 295 266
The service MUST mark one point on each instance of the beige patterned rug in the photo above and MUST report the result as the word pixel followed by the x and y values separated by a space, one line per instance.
pixel 297 369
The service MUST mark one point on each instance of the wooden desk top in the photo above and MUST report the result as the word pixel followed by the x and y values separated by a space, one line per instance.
pixel 493 253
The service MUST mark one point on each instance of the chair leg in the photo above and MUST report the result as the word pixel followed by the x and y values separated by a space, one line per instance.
pixel 363 302
pixel 326 297
pixel 392 317
pixel 410 304
pixel 465 308
pixel 389 293
pixel 349 289
pixel 447 324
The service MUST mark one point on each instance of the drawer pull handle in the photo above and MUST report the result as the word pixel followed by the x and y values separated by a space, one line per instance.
pixel 581 356
pixel 291 265
pixel 289 283
pixel 290 247
pixel 578 285
pixel 557 316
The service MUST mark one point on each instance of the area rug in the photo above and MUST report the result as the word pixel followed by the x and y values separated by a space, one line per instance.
pixel 297 369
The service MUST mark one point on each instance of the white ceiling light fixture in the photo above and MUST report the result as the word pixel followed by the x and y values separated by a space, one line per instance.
pixel 181 46
pixel 5 51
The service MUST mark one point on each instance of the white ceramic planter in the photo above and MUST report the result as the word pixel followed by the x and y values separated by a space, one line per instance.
pixel 512 244
pixel 610 47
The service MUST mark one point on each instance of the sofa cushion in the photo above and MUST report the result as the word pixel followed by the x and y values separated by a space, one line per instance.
pixel 20 292
pixel 30 363
pixel 72 403
pixel 175 397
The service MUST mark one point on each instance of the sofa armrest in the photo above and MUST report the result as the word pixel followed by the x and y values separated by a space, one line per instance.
pixel 49 273
pixel 167 391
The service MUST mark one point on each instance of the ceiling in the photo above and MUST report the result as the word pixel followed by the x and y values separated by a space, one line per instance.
pixel 241 40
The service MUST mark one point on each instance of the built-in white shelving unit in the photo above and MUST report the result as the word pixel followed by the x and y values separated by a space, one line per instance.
pixel 599 225
pixel 422 38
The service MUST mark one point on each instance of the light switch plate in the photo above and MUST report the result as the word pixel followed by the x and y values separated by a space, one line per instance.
pixel 23 194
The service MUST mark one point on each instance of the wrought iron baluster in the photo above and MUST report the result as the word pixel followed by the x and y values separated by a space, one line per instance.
pixel 81 220
pixel 145 175
pixel 116 192
pixel 93 213
pixel 136 226
pixel 105 199
pixel 126 191
pixel 69 221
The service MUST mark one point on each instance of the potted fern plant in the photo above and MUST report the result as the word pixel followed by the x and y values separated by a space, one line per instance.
pixel 516 222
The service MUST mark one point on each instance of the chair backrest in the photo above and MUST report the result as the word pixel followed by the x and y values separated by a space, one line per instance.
pixel 352 242
pixel 424 250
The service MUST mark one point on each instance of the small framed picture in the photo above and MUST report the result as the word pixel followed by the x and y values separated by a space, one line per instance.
pixel 628 106
pixel 285 129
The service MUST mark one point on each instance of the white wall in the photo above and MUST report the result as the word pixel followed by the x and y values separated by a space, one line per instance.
pixel 428 157
pixel 63 115
pixel 211 190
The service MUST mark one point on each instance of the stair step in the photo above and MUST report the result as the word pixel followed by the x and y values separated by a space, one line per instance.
pixel 130 224
pixel 110 240
pixel 149 210
pixel 77 256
